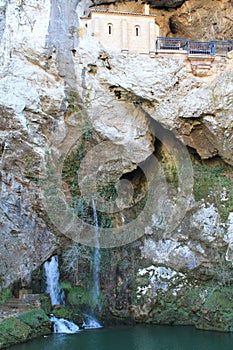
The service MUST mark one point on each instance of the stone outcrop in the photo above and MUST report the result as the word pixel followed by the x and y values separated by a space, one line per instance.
pixel 202 21
pixel 168 92
pixel 24 327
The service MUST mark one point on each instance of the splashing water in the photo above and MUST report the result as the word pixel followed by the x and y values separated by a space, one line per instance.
pixel 52 276
pixel 90 322
pixel 61 325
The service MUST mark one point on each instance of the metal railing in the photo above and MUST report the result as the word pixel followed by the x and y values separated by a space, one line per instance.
pixel 194 47
pixel 167 43
pixel 221 48
pixel 201 48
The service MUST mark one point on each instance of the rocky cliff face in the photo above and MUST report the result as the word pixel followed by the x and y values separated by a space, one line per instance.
pixel 68 106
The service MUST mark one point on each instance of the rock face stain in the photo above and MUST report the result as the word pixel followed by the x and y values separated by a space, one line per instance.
pixel 62 37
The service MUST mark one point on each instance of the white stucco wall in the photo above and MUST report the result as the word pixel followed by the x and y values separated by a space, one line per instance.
pixel 123 31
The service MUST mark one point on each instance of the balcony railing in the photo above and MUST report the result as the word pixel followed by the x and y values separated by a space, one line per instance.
pixel 194 47
pixel 201 48
pixel 221 48
pixel 167 43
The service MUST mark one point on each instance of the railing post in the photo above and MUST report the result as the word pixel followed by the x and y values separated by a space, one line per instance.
pixel 230 46
pixel 212 48
pixel 156 45
pixel 187 45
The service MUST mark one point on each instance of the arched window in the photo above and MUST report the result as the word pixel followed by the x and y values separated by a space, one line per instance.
pixel 109 28
pixel 137 30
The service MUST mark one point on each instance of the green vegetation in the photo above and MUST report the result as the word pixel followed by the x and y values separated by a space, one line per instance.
pixel 35 319
pixel 31 162
pixel 45 302
pixel 24 327
pixel 171 173
pixel 107 190
pixel 63 312
pixel 217 311
pixel 78 296
pixel 69 313
pixel 214 184
pixel 13 331
pixel 70 177
pixel 73 161
pixel 5 295
pixel 73 102
pixel 205 307
pixel 222 273
pixel 81 298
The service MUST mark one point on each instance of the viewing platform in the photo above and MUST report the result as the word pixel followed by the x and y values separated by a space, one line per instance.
pixel 193 47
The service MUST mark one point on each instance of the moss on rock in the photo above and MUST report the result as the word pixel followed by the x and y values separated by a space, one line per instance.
pixel 13 331
pixel 214 184
pixel 62 312
pixel 37 320
pixel 217 311
pixel 69 314
pixel 5 295
pixel 80 298
pixel 45 303
pixel 206 307
pixel 24 327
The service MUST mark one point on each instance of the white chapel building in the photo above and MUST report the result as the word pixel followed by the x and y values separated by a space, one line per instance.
pixel 127 28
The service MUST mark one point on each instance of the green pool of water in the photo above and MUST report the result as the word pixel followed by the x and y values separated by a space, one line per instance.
pixel 139 337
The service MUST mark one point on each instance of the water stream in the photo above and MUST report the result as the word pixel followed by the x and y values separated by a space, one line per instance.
pixel 57 296
pixel 90 322
pixel 53 287
pixel 61 325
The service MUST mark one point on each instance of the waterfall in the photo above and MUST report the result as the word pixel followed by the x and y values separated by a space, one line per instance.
pixel 90 322
pixel 61 325
pixel 96 261
pixel 52 281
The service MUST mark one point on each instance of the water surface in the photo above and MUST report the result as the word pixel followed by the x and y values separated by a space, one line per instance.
pixel 139 337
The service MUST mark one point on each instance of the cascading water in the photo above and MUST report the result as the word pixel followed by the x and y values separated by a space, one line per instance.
pixel 53 287
pixel 57 296
pixel 61 325
pixel 96 262
pixel 90 322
